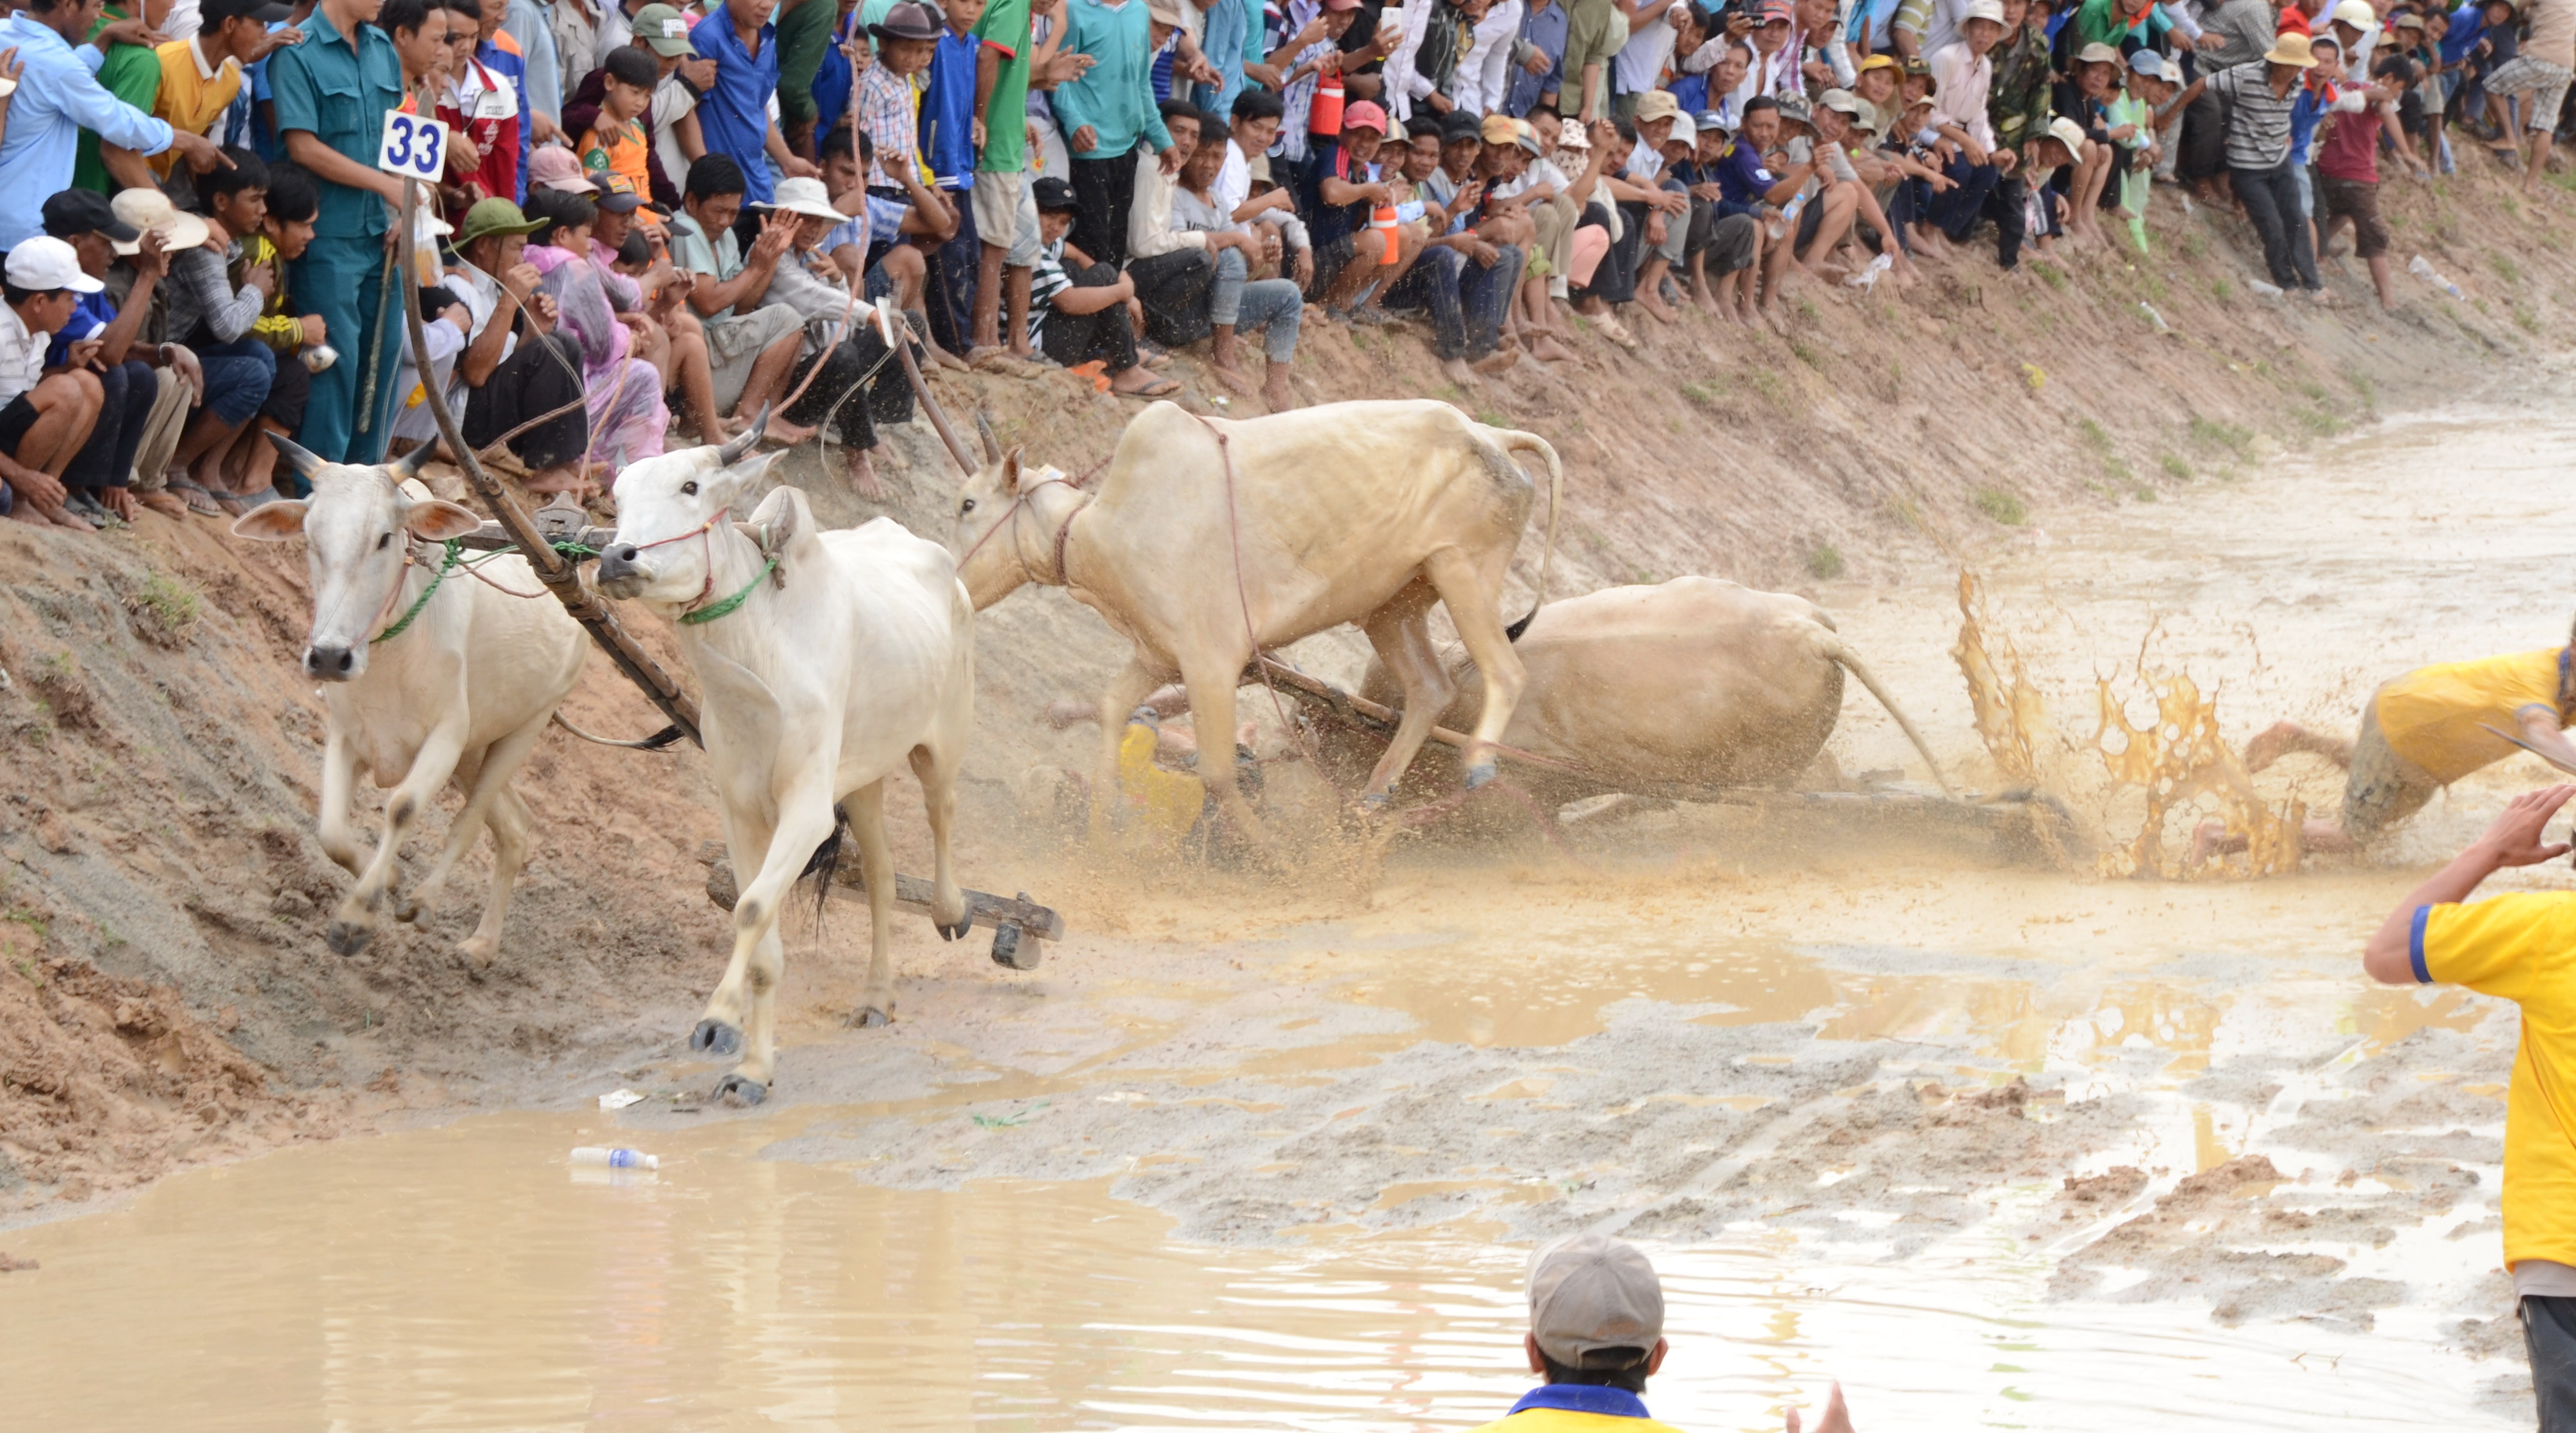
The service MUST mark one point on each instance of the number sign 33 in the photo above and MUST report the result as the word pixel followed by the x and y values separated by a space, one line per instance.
pixel 414 147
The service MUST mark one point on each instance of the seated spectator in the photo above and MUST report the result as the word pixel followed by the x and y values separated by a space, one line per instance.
pixel 1724 244
pixel 211 315
pixel 869 247
pixel 1544 193
pixel 46 413
pixel 1842 143
pixel 1271 307
pixel 1961 75
pixel 1655 222
pixel 300 340
pixel 650 300
pixel 100 477
pixel 844 349
pixel 627 418
pixel 1169 264
pixel 1596 1334
pixel 1082 312
pixel 515 366
pixel 1343 186
pixel 750 345
pixel 1467 276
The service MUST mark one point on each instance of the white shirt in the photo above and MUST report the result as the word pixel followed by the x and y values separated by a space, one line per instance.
pixel 22 355
pixel 672 103
pixel 1947 16
pixel 1640 62
pixel 1233 184
pixel 616 32
pixel 1485 71
pixel 1149 218
pixel 1541 174
pixel 1962 82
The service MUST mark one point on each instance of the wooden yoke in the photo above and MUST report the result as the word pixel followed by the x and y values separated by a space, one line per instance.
pixel 561 575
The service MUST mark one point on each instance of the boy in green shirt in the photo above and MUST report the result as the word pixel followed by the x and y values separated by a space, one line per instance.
pixel 1006 214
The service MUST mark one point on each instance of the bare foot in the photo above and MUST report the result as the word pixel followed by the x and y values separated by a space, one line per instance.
pixel 863 474
pixel 1547 350
pixel 1232 379
pixel 1275 391
pixel 565 479
pixel 1655 307
pixel 782 431
pixel 165 503
pixel 1498 361
pixel 1459 373
pixel 25 511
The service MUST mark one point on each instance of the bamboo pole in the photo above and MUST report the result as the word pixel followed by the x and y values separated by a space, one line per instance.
pixel 561 576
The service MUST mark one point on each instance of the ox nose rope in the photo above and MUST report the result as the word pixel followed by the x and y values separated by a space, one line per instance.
pixel 701 611
pixel 455 557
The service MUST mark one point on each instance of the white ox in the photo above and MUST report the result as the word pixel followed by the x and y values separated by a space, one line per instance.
pixel 1350 512
pixel 463 690
pixel 826 659
pixel 1698 682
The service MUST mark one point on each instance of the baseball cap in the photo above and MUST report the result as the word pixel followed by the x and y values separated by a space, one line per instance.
pixel 665 29
pixel 617 192
pixel 1457 124
pixel 2408 20
pixel 1657 104
pixel 1921 68
pixel 1526 136
pixel 1777 10
pixel 1341 4
pixel 46 263
pixel 2357 14
pixel 553 167
pixel 1709 121
pixel 1053 195
pixel 1843 100
pixel 84 211
pixel 2150 64
pixel 1589 1293
pixel 2097 53
pixel 1364 115
pixel 1794 109
pixel 1497 129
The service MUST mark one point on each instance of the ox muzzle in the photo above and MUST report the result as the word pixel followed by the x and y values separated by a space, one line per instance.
pixel 334 663
pixel 621 573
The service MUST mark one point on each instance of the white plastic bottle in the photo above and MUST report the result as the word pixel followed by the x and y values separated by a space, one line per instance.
pixel 594 1156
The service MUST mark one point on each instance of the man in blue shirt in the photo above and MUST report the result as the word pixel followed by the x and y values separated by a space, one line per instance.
pixel 59 96
pixel 330 96
pixel 1538 59
pixel 1596 1334
pixel 733 117
pixel 947 138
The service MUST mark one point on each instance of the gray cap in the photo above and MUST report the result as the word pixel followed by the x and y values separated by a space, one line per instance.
pixel 1591 1292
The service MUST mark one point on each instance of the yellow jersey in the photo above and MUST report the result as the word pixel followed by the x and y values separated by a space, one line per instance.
pixel 193 94
pixel 2436 717
pixel 1577 1408
pixel 2522 948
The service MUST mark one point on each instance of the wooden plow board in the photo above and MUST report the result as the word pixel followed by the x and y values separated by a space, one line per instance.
pixel 1021 927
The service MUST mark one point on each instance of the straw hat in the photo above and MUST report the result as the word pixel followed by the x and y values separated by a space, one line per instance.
pixel 803 197
pixel 151 209
pixel 2290 48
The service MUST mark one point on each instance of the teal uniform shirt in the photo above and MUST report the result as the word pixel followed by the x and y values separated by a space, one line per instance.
pixel 339 96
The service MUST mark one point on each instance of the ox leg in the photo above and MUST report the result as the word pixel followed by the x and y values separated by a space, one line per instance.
pixel 509 819
pixel 1126 691
pixel 867 821
pixel 338 834
pixel 751 978
pixel 1212 717
pixel 486 778
pixel 937 769
pixel 1474 600
pixel 354 924
pixel 1401 633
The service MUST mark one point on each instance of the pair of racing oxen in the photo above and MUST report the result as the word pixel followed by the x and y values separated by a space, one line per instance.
pixel 826 659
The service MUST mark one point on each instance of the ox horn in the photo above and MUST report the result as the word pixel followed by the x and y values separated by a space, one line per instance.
pixel 738 448
pixel 408 466
pixel 984 430
pixel 305 463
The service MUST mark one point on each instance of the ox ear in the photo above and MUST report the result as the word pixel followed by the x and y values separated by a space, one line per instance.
pixel 303 461
pixel 1018 476
pixel 784 525
pixel 733 480
pixel 272 522
pixel 436 520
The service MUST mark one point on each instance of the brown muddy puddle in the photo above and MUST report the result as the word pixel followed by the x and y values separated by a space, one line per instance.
pixel 465 1277
pixel 468 1278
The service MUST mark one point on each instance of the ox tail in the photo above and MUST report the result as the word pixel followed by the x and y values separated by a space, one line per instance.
pixel 1840 652
pixel 1514 441
pixel 656 742
pixel 825 864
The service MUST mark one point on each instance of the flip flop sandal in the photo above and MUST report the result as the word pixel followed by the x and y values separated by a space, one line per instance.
pixel 1161 388
pixel 199 501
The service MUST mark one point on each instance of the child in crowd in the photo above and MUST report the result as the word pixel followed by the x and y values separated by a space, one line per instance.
pixel 1081 312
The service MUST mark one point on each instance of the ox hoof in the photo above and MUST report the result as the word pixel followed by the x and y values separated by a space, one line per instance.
pixel 958 931
pixel 347 939
pixel 716 1037
pixel 1376 801
pixel 1013 949
pixel 1479 774
pixel 740 1089
pixel 408 912
pixel 871 1018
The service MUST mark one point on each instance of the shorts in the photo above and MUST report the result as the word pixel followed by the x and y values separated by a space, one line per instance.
pixel 1331 257
pixel 287 393
pixel 2382 788
pixel 2357 200
pixel 1811 217
pixel 1008 204
pixel 736 342
pixel 15 420
pixel 2549 1337
pixel 2544 82
pixel 1730 245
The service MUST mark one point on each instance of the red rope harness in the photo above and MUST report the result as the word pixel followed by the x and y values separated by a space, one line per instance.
pixel 704 529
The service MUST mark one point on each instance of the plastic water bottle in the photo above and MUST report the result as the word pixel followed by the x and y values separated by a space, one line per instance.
pixel 2269 291
pixel 2154 317
pixel 595 1157
pixel 2423 269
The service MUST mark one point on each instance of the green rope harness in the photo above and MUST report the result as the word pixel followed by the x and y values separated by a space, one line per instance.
pixel 725 608
pixel 455 554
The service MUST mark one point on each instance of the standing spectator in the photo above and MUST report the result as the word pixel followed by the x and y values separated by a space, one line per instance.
pixel 44 417
pixel 1538 59
pixel 1107 116
pixel 1485 71
pixel 532 24
pixel 1963 81
pixel 197 80
pixel 616 140
pixel 2513 946
pixel 804 37
pixel 2259 99
pixel 677 139
pixel 1227 33
pixel 486 103
pixel 733 117
pixel 2348 178
pixel 332 92
pixel 950 136
pixel 56 100
pixel 1006 215
pixel 2539 72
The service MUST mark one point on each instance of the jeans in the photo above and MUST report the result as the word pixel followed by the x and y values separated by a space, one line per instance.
pixel 1273 306
pixel 238 376
pixel 1174 288
pixel 949 293
pixel 1983 193
pixel 1467 300
pixel 888 396
pixel 1074 339
pixel 2549 1337
pixel 2271 200
pixel 127 391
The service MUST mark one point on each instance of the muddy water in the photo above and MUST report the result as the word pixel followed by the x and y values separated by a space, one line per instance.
pixel 902 1265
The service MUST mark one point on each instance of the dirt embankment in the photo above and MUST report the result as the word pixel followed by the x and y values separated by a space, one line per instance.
pixel 165 996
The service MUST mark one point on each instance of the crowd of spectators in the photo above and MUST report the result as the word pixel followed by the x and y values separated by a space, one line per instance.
pixel 660 218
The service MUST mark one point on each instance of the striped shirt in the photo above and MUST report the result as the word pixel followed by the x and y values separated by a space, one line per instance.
pixel 2258 121
pixel 1046 280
